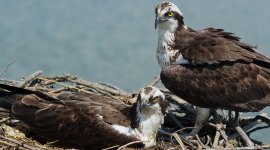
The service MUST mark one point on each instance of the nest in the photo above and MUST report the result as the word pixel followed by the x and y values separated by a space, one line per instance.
pixel 217 134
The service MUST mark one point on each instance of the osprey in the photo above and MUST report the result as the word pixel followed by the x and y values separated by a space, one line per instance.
pixel 84 120
pixel 210 68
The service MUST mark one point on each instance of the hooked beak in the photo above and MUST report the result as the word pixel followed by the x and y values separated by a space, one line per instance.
pixel 144 105
pixel 159 20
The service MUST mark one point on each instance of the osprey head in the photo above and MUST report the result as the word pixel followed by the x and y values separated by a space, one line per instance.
pixel 168 16
pixel 150 101
pixel 151 97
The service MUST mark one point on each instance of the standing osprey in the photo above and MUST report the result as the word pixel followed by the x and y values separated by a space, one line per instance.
pixel 83 120
pixel 210 68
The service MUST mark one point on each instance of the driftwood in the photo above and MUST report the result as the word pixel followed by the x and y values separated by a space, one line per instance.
pixel 218 134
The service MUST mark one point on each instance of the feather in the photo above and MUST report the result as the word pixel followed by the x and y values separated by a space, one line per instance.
pixel 234 86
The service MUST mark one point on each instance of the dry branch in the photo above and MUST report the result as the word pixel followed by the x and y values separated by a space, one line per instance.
pixel 155 81
pixel 18 143
pixel 29 78
pixel 100 87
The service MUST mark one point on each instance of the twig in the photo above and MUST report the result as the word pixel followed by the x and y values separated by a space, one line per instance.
pixel 186 141
pixel 59 90
pixel 173 148
pixel 216 139
pixel 4 120
pixel 29 78
pixel 63 78
pixel 165 91
pixel 244 136
pixel 186 128
pixel 115 88
pixel 128 144
pixel 208 140
pixel 250 125
pixel 200 142
pixel 178 139
pixel 7 67
pixel 155 81
pixel 7 144
pixel 164 132
pixel 112 147
pixel 18 143
pixel 246 148
pixel 98 87
pixel 250 147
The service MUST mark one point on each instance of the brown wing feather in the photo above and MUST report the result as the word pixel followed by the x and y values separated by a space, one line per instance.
pixel 80 122
pixel 214 46
pixel 99 103
pixel 234 86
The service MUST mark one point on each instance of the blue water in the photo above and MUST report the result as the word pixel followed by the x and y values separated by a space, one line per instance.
pixel 112 41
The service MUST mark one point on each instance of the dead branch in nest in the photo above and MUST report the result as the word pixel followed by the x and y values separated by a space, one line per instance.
pixel 18 143
pixel 155 81
pixel 100 87
pixel 128 144
pixel 29 78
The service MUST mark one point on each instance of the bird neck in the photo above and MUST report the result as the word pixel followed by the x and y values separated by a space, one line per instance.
pixel 151 121
pixel 167 51
pixel 146 121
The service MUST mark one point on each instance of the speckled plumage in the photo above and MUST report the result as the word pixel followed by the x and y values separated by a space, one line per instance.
pixel 219 71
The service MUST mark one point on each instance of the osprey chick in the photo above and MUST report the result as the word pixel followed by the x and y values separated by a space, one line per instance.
pixel 84 120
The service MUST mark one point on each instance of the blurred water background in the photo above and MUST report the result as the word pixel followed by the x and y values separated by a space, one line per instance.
pixel 112 41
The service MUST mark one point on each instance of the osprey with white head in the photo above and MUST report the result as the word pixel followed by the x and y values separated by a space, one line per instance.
pixel 87 121
pixel 210 68
pixel 168 19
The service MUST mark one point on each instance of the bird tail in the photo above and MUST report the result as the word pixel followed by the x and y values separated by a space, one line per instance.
pixel 10 94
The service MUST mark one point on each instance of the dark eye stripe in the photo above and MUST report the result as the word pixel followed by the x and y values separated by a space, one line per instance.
pixel 154 99
pixel 151 98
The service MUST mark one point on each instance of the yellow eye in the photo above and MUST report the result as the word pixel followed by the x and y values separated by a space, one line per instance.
pixel 154 100
pixel 169 14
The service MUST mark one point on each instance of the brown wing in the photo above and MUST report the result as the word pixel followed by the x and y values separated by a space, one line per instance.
pixel 215 46
pixel 76 123
pixel 233 86
pixel 96 101
pixel 84 96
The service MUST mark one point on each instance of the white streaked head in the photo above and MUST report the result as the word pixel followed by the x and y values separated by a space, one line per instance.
pixel 148 116
pixel 151 97
pixel 153 109
pixel 168 16
pixel 165 7
pixel 169 19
